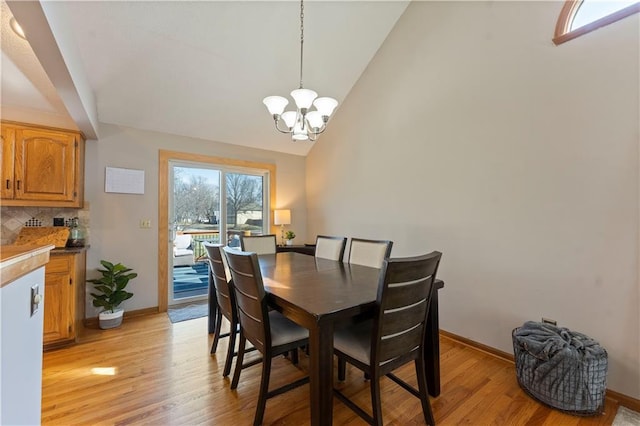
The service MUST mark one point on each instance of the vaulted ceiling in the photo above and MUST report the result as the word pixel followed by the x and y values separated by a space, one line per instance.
pixel 198 69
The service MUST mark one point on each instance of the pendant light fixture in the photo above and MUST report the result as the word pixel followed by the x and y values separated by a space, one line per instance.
pixel 303 124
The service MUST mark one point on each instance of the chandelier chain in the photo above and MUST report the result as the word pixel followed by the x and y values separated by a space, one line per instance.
pixel 301 38
pixel 303 123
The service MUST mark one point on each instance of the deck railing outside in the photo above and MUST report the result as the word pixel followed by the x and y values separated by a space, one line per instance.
pixel 199 237
pixel 213 236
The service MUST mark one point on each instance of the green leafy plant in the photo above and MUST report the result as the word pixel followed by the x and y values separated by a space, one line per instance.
pixel 290 235
pixel 110 289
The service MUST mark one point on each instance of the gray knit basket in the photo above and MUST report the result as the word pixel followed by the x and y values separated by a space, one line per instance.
pixel 561 368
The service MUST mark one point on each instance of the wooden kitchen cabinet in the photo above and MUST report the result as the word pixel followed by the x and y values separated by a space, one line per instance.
pixel 7 146
pixel 41 166
pixel 64 298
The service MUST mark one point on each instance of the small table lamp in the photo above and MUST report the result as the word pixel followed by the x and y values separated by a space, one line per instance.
pixel 282 218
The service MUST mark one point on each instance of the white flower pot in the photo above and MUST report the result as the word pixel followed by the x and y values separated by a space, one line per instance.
pixel 110 319
pixel 289 242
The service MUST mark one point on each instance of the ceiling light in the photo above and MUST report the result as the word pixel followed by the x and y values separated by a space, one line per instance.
pixel 303 124
pixel 17 28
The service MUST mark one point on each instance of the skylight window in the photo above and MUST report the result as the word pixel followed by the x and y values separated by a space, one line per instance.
pixel 591 10
pixel 580 17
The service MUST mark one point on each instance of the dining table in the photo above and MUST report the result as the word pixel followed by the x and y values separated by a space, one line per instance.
pixel 320 294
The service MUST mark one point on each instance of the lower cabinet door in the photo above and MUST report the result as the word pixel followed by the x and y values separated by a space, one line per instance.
pixel 58 300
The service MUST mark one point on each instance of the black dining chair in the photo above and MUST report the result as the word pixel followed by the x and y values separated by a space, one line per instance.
pixel 328 247
pixel 395 335
pixel 269 331
pixel 225 300
pixel 369 252
pixel 259 244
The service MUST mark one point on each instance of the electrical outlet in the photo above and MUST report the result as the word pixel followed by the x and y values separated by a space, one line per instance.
pixel 145 223
pixel 549 321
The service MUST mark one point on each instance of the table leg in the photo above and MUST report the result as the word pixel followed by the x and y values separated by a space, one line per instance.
pixel 321 374
pixel 432 348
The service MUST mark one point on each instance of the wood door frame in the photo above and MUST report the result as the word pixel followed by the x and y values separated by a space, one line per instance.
pixel 164 158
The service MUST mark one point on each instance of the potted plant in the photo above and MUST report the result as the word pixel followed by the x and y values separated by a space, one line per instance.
pixel 110 292
pixel 289 236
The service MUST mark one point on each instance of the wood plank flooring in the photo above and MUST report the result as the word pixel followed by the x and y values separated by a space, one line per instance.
pixel 153 372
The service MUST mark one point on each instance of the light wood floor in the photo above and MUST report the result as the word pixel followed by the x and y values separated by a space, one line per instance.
pixel 162 374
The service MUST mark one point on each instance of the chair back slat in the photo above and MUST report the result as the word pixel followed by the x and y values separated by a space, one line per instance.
pixel 404 296
pixel 224 294
pixel 249 292
pixel 369 252
pixel 259 244
pixel 330 247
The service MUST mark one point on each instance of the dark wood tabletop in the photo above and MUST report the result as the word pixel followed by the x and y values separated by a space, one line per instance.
pixel 318 294
pixel 309 249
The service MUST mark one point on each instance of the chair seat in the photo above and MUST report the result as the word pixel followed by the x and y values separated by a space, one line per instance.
pixel 285 331
pixel 354 341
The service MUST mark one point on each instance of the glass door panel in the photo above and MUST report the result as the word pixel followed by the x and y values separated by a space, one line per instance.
pixel 245 206
pixel 244 197
pixel 195 208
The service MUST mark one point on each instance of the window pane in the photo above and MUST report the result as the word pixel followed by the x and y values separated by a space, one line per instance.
pixel 245 201
pixel 592 10
pixel 196 213
pixel 196 198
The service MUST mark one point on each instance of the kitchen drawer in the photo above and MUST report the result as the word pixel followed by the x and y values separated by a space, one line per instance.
pixel 58 264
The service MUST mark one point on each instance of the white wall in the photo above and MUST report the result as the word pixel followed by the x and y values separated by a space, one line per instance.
pixel 115 234
pixel 472 134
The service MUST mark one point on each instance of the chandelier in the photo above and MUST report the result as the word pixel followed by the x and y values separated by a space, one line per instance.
pixel 303 124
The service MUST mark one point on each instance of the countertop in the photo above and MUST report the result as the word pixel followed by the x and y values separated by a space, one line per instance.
pixel 16 261
pixel 63 250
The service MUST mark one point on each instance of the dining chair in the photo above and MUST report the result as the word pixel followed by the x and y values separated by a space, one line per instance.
pixel 259 244
pixel 395 335
pixel 330 247
pixel 369 252
pixel 225 300
pixel 269 331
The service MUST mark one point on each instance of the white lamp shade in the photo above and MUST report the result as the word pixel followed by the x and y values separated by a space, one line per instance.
pixel 325 106
pixel 314 118
pixel 289 118
pixel 275 104
pixel 299 134
pixel 304 97
pixel 282 217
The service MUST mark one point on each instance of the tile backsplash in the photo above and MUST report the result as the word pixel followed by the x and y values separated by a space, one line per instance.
pixel 12 219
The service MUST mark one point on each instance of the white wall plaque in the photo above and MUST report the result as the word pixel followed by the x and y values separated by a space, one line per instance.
pixel 125 181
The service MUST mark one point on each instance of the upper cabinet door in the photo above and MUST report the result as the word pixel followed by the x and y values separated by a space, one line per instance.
pixel 41 166
pixel 45 166
pixel 7 148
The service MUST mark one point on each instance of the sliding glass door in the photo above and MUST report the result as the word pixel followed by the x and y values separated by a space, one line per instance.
pixel 209 203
